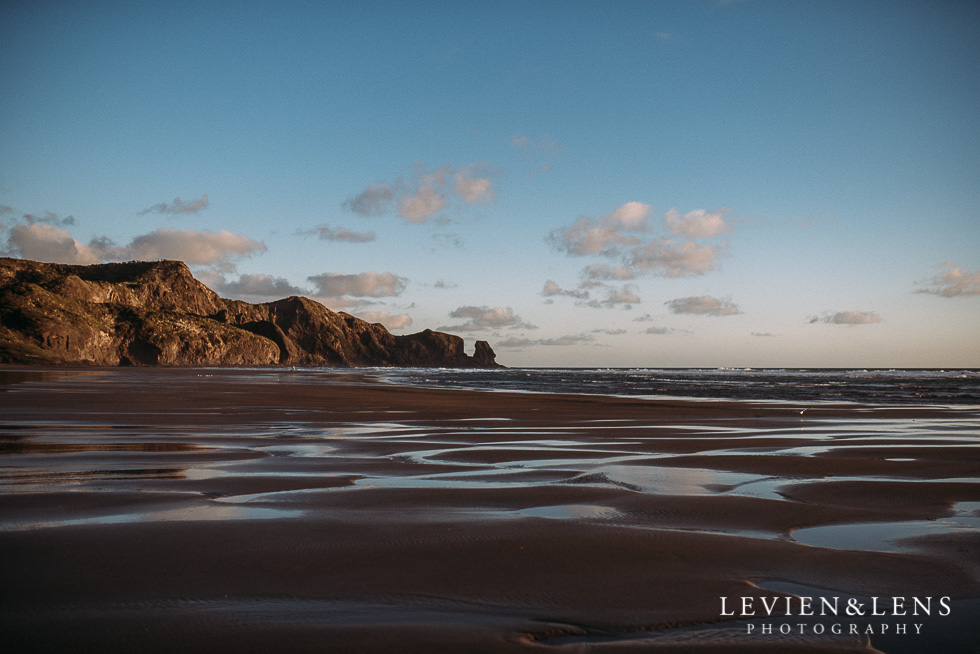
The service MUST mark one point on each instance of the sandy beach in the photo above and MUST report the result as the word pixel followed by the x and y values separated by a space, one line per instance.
pixel 161 510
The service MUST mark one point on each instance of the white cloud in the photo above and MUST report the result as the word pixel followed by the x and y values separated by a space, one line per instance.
pixel 586 237
pixel 604 236
pixel 178 207
pixel 390 322
pixel 328 233
pixel 698 223
pixel 632 215
pixel 486 318
pixel 610 332
pixel 473 190
pixel 264 287
pixel 674 259
pixel 365 284
pixel 421 205
pixel 437 177
pixel 847 318
pixel 952 282
pixel 192 247
pixel 427 193
pixel 703 305
pixel 42 242
pixel 627 235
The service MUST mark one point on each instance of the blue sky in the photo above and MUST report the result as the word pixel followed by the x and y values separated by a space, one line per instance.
pixel 688 183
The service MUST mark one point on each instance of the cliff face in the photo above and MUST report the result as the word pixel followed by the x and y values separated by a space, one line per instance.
pixel 156 313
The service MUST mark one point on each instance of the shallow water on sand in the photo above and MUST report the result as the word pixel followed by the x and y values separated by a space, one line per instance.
pixel 476 453
pixel 455 494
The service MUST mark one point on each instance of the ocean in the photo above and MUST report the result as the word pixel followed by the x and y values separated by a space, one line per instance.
pixel 904 387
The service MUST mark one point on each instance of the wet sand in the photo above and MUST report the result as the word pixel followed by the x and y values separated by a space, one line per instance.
pixel 275 510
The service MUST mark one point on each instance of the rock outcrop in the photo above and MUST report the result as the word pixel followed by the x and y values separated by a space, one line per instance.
pixel 156 313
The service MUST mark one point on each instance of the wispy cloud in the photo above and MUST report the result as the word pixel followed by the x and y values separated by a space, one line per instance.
pixel 485 318
pixel 953 281
pixel 847 318
pixel 542 145
pixel 561 341
pixel 665 331
pixel 611 297
pixel 47 218
pixel 603 271
pixel 448 240
pixel 538 151
pixel 624 297
pixel 375 200
pixel 703 305
pixel 178 207
pixel 552 289
pixel 328 233
pixel 806 222
pixel 425 194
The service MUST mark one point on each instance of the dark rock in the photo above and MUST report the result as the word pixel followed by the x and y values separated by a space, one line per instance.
pixel 484 355
pixel 156 313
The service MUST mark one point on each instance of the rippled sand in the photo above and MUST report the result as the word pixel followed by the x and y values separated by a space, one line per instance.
pixel 278 510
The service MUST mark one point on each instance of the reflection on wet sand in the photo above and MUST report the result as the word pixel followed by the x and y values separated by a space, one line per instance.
pixel 528 520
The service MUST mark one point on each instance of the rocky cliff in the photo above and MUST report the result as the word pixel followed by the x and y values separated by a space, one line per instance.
pixel 156 313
